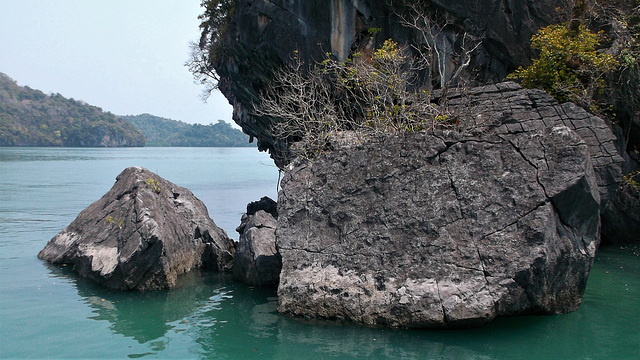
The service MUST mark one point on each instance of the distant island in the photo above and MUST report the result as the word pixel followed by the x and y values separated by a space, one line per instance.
pixel 160 131
pixel 29 117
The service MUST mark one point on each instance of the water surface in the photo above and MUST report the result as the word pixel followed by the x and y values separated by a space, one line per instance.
pixel 48 312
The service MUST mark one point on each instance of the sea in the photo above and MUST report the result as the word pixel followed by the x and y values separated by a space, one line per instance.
pixel 48 312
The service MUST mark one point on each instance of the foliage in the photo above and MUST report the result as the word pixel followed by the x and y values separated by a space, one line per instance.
pixel 631 182
pixel 29 117
pixel 111 220
pixel 366 94
pixel 205 53
pixel 166 132
pixel 568 67
pixel 621 18
pixel 153 184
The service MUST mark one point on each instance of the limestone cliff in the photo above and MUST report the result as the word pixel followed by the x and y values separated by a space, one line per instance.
pixel 263 35
pixel 432 228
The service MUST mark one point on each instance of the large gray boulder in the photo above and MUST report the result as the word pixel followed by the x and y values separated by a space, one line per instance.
pixel 141 235
pixel 257 261
pixel 446 229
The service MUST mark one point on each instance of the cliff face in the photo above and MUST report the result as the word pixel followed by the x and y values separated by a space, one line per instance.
pixel 433 228
pixel 264 34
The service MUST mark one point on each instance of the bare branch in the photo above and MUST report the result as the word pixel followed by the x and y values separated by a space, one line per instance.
pixel 439 44
pixel 364 95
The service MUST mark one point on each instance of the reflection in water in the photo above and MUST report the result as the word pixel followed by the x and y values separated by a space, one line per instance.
pixel 148 316
pixel 252 316
pixel 51 154
pixel 219 318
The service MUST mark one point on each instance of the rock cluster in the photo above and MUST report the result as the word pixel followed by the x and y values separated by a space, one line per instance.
pixel 141 235
pixel 257 262
pixel 449 229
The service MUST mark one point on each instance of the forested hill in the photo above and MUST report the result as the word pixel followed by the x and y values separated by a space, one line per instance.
pixel 166 132
pixel 30 117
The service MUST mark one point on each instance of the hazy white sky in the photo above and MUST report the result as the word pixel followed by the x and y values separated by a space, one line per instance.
pixel 126 56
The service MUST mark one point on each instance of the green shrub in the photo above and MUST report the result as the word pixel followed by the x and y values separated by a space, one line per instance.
pixel 568 66
pixel 631 181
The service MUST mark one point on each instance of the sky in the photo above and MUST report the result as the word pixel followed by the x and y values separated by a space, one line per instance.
pixel 125 56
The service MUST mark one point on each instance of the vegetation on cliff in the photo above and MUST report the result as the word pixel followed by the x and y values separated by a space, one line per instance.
pixel 568 66
pixel 593 60
pixel 30 117
pixel 205 53
pixel 166 132
pixel 459 45
pixel 367 93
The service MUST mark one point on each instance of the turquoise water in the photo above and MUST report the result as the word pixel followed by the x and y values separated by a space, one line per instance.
pixel 48 312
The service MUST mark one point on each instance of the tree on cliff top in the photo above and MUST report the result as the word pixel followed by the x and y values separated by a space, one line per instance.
pixel 213 24
pixel 594 61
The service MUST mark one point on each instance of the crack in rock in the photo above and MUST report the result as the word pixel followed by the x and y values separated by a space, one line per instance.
pixel 473 221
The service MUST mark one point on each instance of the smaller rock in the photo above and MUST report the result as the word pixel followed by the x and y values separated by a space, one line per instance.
pixel 266 203
pixel 622 223
pixel 141 235
pixel 257 261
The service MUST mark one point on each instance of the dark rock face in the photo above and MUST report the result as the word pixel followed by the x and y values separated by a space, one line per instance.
pixel 141 235
pixel 265 203
pixel 536 109
pixel 257 261
pixel 448 230
pixel 622 221
pixel 264 34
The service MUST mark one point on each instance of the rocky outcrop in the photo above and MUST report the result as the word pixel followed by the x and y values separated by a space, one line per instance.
pixel 141 235
pixel 266 204
pixel 621 223
pixel 525 110
pixel 264 34
pixel 535 109
pixel 449 229
pixel 257 261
